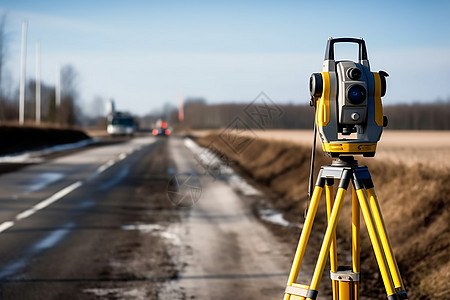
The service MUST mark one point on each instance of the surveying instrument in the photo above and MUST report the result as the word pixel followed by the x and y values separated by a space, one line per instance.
pixel 349 119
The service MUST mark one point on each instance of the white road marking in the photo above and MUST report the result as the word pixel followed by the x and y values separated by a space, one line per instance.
pixel 102 169
pixel 25 214
pixel 105 166
pixel 116 179
pixel 6 225
pixel 48 201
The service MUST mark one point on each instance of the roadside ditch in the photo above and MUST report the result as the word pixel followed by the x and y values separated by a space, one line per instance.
pixel 413 200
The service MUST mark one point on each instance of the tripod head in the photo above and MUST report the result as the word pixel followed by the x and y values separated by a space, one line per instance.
pixel 345 161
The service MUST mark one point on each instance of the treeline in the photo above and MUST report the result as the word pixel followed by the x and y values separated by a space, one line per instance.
pixel 432 116
pixel 200 115
pixel 66 112
pixel 63 111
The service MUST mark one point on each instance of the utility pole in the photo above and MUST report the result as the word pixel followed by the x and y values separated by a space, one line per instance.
pixel 22 73
pixel 38 83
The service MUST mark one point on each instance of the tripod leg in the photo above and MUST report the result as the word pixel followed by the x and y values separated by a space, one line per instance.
pixel 333 250
pixel 379 222
pixel 375 240
pixel 347 277
pixel 306 231
pixel 331 230
pixel 348 286
pixel 355 241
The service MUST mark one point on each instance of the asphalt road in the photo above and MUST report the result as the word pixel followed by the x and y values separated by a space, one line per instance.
pixel 142 219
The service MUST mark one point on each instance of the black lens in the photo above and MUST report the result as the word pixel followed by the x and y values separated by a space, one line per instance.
pixel 354 73
pixel 356 94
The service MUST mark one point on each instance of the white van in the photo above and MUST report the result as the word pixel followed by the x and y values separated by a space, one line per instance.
pixel 121 125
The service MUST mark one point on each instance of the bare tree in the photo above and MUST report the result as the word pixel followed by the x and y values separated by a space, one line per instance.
pixel 69 95
pixel 8 91
pixel 4 106
pixel 2 48
pixel 97 107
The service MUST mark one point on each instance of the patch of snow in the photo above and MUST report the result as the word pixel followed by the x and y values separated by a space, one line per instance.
pixel 275 217
pixel 242 186
pixel 171 237
pixel 143 227
pixel 215 166
pixel 20 158
pixel 43 180
pixel 118 293
pixel 35 156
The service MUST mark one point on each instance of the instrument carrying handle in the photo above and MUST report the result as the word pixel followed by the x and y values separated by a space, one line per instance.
pixel 329 53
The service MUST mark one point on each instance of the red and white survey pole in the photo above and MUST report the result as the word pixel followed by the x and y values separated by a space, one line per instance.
pixel 180 108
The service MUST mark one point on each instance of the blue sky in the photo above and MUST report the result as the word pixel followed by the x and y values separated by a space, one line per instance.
pixel 145 53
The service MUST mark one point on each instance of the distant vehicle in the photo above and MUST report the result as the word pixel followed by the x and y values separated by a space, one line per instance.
pixel 162 129
pixel 121 124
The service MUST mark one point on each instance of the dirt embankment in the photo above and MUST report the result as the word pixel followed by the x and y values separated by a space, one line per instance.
pixel 22 138
pixel 414 201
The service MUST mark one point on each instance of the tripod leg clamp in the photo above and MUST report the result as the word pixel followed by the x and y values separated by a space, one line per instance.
pixel 344 273
pixel 302 292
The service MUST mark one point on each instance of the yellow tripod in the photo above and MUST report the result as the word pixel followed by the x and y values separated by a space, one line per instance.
pixel 345 280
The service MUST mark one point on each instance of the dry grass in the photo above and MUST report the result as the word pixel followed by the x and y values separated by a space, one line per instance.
pixel 413 197
pixel 96 132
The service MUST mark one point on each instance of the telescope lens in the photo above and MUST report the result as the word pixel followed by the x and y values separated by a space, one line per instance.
pixel 354 73
pixel 356 94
